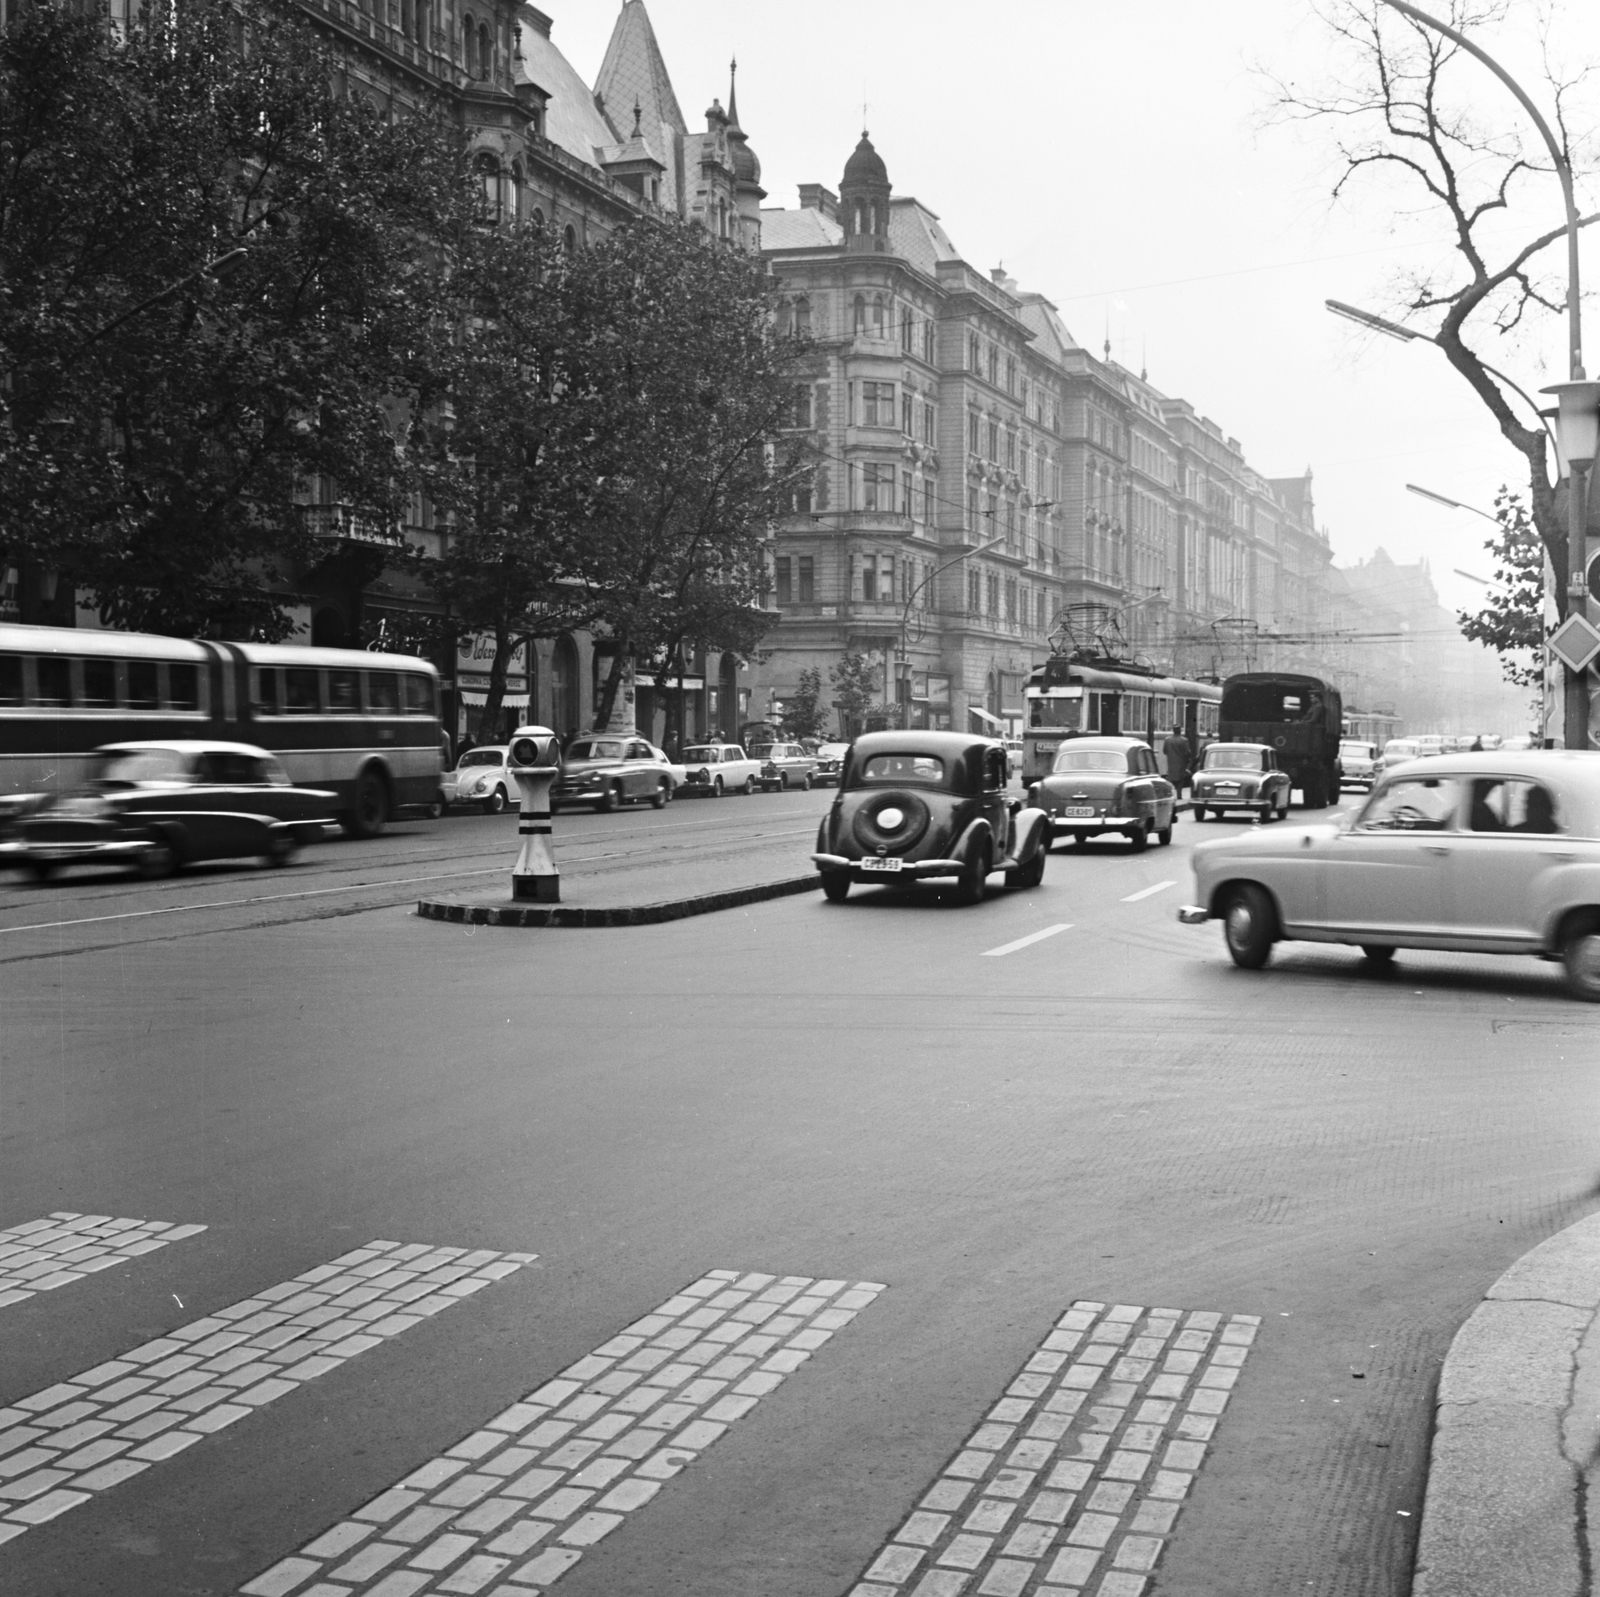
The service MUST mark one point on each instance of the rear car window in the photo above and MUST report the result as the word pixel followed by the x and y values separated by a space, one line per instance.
pixel 923 769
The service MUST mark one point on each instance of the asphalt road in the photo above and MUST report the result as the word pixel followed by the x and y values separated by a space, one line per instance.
pixel 864 1093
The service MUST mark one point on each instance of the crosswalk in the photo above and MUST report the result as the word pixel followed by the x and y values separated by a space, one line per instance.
pixel 1069 1483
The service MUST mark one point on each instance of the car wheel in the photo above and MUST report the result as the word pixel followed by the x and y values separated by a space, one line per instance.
pixel 1140 840
pixel 974 878
pixel 1199 812
pixel 658 799
pixel 495 802
pixel 610 800
pixel 436 809
pixel 1164 836
pixel 369 806
pixel 1580 953
pixel 805 784
pixel 1080 839
pixel 783 781
pixel 281 848
pixel 1378 954
pixel 161 859
pixel 836 886
pixel 749 786
pixel 1249 926
pixel 716 788
pixel 1029 875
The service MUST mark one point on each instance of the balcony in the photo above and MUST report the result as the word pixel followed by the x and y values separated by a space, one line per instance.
pixel 341 524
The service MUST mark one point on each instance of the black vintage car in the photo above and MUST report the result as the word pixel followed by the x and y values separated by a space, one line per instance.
pixel 1107 784
pixel 921 806
pixel 156 806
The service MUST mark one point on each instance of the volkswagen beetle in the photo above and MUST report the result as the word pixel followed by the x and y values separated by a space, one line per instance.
pixel 922 806
pixel 1107 784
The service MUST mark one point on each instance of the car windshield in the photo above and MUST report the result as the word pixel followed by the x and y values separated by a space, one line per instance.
pixel 598 749
pixel 762 751
pixel 920 768
pixel 1091 760
pixel 124 767
pixel 705 756
pixel 1232 760
pixel 481 757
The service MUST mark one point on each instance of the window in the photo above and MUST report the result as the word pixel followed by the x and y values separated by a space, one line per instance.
pixel 972 352
pixel 54 680
pixel 183 687
pixel 802 316
pixel 1011 449
pixel 994 597
pixel 861 313
pixel 301 694
pixel 780 572
pixel 806 574
pixel 905 329
pixel 1504 806
pixel 344 693
pixel 927 341
pixel 994 442
pixel 144 685
pixel 927 421
pixel 802 498
pixel 1418 804
pixel 383 693
pixel 1011 374
pixel 877 315
pixel 877 404
pixel 974 593
pixel 1011 600
pixel 569 240
pixel 905 493
pixel 10 679
pixel 99 684
pixel 994 366
pixel 973 425
pixel 420 695
pixel 802 405
pixel 906 403
pixel 877 487
pixel 869 578
pixel 485 51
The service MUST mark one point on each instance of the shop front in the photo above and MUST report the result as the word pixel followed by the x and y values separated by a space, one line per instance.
pixel 474 658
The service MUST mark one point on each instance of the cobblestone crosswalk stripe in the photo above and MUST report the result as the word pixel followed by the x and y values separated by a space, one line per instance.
pixel 64 1247
pixel 1077 1474
pixel 62 1445
pixel 510 1508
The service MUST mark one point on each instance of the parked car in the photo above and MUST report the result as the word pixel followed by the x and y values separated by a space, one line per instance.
pixel 1013 755
pixel 830 764
pixel 782 765
pixel 161 805
pixel 1107 784
pixel 1496 852
pixel 928 806
pixel 1241 776
pixel 713 769
pixel 1429 746
pixel 481 778
pixel 606 771
pixel 1359 763
pixel 1396 752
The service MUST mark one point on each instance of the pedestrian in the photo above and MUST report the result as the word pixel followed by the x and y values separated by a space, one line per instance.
pixel 1477 746
pixel 1175 750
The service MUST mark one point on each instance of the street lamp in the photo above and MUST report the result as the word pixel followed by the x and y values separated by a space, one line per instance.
pixel 1453 504
pixel 902 655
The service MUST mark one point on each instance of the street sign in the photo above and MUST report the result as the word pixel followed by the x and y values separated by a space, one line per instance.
pixel 1575 642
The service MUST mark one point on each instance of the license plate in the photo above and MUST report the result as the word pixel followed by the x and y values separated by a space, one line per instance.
pixel 1079 812
pixel 881 864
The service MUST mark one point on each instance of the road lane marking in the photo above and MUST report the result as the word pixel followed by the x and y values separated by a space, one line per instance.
pixel 1015 1505
pixel 525 1496
pixel 64 1247
pixel 1023 942
pixel 1148 892
pixel 60 1446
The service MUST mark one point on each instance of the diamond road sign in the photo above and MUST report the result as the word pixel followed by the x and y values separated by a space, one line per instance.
pixel 1575 642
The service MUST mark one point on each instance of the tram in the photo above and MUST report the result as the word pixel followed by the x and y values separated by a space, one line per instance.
pixel 1066 698
pixel 1372 726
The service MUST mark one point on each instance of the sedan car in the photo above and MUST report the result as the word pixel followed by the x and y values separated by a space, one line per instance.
pixel 160 805
pixel 927 806
pixel 1241 776
pixel 1359 763
pixel 783 765
pixel 830 764
pixel 481 778
pixel 713 769
pixel 1495 852
pixel 1396 752
pixel 607 771
pixel 1107 784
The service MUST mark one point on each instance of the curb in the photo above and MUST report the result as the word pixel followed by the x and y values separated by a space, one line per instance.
pixel 1516 1433
pixel 575 915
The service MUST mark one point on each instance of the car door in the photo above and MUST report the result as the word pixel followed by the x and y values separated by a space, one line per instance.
pixel 1391 873
pixel 992 800
pixel 637 777
pixel 1515 836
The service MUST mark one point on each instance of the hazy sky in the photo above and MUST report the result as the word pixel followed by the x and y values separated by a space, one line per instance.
pixel 1113 155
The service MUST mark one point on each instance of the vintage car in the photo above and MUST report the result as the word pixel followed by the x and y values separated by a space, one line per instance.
pixel 782 765
pixel 1496 852
pixel 928 806
pixel 713 769
pixel 1359 763
pixel 830 764
pixel 481 778
pixel 1107 784
pixel 160 805
pixel 1396 752
pixel 607 770
pixel 1241 776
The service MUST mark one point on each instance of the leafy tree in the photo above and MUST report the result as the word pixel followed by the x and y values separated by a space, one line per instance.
pixel 210 265
pixel 1406 104
pixel 1512 621
pixel 803 713
pixel 855 681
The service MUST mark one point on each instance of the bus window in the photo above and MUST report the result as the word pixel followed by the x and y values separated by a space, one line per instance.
pixel 266 689
pixel 55 686
pixel 300 691
pixel 183 686
pixel 383 693
pixel 144 690
pixel 10 679
pixel 344 693
pixel 419 695
pixel 99 684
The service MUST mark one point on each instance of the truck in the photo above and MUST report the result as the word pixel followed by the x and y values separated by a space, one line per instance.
pixel 1300 717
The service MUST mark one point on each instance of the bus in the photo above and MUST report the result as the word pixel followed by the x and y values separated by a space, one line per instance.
pixel 1064 698
pixel 1302 717
pixel 364 725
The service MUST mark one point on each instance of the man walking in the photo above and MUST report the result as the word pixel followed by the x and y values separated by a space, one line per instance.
pixel 1175 750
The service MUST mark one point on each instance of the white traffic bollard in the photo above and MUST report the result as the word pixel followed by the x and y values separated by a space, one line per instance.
pixel 535 762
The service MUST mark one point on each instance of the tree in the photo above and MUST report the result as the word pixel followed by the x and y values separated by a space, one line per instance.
pixel 1512 621
pixel 211 267
pixel 1406 106
pixel 855 683
pixel 803 713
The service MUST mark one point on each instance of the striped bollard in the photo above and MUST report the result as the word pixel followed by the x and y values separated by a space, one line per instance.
pixel 535 762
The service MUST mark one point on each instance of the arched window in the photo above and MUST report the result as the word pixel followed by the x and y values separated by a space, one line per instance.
pixel 485 51
pixel 519 192
pixel 861 313
pixel 905 328
pixel 927 341
pixel 785 318
pixel 469 46
pixel 802 315
pixel 973 358
pixel 877 314
pixel 861 218
pixel 569 240
pixel 538 217
pixel 488 170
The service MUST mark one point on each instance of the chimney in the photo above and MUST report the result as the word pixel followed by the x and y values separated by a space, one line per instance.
pixel 536 20
pixel 814 197
pixel 1000 279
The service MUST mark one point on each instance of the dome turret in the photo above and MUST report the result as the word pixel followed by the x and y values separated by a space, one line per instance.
pixel 864 192
pixel 865 165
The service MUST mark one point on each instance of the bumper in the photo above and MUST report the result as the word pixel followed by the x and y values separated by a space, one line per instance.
pixel 1193 914
pixel 1061 825
pixel 43 853
pixel 909 870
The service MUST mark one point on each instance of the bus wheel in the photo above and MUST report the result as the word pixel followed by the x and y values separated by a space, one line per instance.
pixel 369 806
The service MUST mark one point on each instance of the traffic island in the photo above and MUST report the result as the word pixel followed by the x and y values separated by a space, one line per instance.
pixel 504 911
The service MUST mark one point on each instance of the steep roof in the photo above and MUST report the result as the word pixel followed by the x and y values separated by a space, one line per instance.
pixel 915 235
pixel 798 230
pixel 1051 336
pixel 635 73
pixel 571 119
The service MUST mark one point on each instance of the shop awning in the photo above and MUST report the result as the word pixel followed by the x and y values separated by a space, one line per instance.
pixel 984 716
pixel 511 701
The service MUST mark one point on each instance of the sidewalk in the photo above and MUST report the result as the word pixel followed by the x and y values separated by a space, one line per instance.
pixel 1513 1499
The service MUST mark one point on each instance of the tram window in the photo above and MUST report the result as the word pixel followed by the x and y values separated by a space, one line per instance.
pixel 419 695
pixel 300 695
pixel 54 679
pixel 1135 712
pixel 344 693
pixel 383 693
pixel 99 684
pixel 10 679
pixel 144 687
pixel 183 686
pixel 266 689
